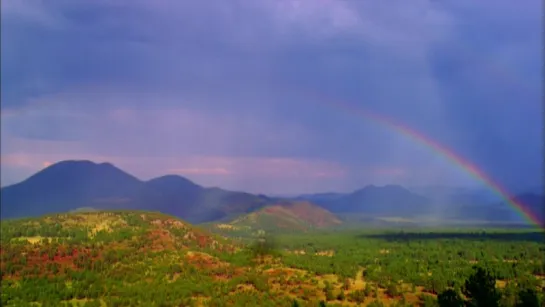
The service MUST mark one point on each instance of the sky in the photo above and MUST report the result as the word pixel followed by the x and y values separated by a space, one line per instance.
pixel 266 96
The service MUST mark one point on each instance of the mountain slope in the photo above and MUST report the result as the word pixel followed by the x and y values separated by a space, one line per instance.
pixel 373 200
pixel 320 197
pixel 287 215
pixel 69 185
pixel 460 204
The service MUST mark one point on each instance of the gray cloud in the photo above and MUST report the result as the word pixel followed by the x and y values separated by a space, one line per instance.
pixel 262 79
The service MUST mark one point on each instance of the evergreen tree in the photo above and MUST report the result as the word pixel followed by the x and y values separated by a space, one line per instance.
pixel 480 289
pixel 528 298
pixel 450 298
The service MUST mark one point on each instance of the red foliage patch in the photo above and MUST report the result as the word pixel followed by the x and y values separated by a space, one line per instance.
pixel 203 240
pixel 205 261
pixel 61 256
pixel 161 239
pixel 41 262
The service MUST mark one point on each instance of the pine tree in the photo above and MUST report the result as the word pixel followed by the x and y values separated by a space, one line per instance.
pixel 528 298
pixel 480 289
pixel 450 298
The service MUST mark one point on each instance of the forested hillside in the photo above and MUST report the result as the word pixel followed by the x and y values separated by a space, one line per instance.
pixel 137 258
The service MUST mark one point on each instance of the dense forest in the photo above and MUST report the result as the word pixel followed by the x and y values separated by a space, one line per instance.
pixel 151 259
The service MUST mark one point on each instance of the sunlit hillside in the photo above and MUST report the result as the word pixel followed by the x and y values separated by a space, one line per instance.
pixel 138 258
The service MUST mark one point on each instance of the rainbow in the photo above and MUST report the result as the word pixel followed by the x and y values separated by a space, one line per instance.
pixel 449 154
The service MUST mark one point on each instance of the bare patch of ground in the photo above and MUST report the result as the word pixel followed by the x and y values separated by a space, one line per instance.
pixel 327 253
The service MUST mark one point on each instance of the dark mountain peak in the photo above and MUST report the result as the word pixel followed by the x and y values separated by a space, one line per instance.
pixel 72 184
pixel 369 187
pixel 79 170
pixel 391 200
pixel 395 187
pixel 105 164
pixel 175 185
pixel 78 165
pixel 172 180
pixel 67 185
pixel 70 164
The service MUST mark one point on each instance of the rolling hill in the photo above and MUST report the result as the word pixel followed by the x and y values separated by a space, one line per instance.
pixel 58 258
pixel 70 185
pixel 285 216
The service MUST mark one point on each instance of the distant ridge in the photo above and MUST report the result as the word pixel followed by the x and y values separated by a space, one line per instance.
pixel 71 185
pixel 321 197
pixel 377 201
pixel 445 203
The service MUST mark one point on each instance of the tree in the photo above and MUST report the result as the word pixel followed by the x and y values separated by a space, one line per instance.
pixel 367 290
pixel 328 291
pixel 358 296
pixel 480 289
pixel 263 246
pixel 392 290
pixel 528 298
pixel 295 303
pixel 450 298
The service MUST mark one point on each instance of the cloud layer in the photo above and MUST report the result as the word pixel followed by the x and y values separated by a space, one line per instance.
pixel 249 94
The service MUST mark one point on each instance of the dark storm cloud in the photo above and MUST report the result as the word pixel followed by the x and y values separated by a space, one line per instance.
pixel 235 80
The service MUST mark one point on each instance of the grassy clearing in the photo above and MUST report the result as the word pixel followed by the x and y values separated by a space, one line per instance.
pixel 35 239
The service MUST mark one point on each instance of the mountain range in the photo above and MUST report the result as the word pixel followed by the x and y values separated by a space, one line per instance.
pixel 71 185
pixel 432 201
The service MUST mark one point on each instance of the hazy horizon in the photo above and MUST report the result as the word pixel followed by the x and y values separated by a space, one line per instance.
pixel 267 96
pixel 475 188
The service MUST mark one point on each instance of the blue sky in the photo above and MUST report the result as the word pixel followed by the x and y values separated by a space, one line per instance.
pixel 245 94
